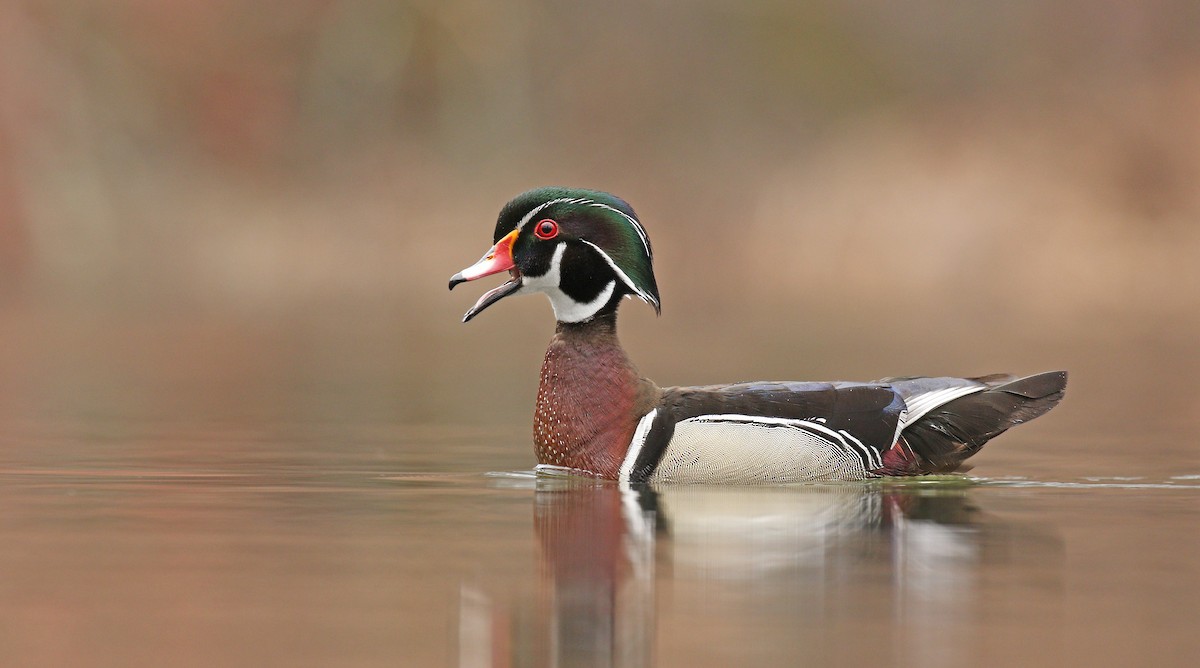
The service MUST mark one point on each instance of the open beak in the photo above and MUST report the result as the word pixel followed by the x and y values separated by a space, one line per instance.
pixel 499 258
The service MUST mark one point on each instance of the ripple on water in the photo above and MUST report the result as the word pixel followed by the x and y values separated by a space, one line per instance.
pixel 1100 482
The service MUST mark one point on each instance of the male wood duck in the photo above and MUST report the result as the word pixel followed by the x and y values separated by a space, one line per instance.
pixel 586 250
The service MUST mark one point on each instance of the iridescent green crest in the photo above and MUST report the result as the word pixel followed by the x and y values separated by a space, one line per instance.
pixel 601 220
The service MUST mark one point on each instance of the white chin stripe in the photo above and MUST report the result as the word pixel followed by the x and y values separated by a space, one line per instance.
pixel 569 310
pixel 565 308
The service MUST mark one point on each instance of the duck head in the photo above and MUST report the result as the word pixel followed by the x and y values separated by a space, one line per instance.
pixel 584 249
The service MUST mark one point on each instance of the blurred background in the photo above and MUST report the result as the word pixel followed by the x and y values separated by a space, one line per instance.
pixel 239 210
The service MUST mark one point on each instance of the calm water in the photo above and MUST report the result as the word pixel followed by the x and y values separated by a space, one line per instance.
pixel 322 544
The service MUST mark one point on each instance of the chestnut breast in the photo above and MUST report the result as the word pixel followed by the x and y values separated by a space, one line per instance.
pixel 589 401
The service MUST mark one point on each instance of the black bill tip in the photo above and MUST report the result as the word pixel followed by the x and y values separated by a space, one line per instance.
pixel 492 296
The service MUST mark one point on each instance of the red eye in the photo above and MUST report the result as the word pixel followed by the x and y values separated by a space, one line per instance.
pixel 546 229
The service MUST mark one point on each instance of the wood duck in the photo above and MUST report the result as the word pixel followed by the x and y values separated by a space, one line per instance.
pixel 595 414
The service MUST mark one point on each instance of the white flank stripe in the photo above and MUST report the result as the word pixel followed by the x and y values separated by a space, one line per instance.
pixel 873 459
pixel 635 445
pixel 921 404
pixel 835 438
pixel 765 419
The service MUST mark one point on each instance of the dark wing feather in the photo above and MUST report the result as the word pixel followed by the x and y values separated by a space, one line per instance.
pixel 950 433
pixel 938 441
pixel 868 411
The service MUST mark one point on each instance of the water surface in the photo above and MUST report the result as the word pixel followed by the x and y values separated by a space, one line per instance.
pixel 323 544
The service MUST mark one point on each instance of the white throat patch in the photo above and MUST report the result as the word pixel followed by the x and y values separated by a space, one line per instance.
pixel 566 309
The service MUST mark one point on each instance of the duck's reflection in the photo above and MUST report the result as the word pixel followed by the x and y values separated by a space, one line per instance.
pixel 598 545
pixel 791 555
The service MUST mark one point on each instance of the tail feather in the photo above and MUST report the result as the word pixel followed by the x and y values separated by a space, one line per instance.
pixel 948 434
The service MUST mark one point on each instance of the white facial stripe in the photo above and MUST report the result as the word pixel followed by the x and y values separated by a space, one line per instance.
pixel 535 210
pixel 637 226
pixel 549 280
pixel 632 221
pixel 566 309
pixel 624 278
